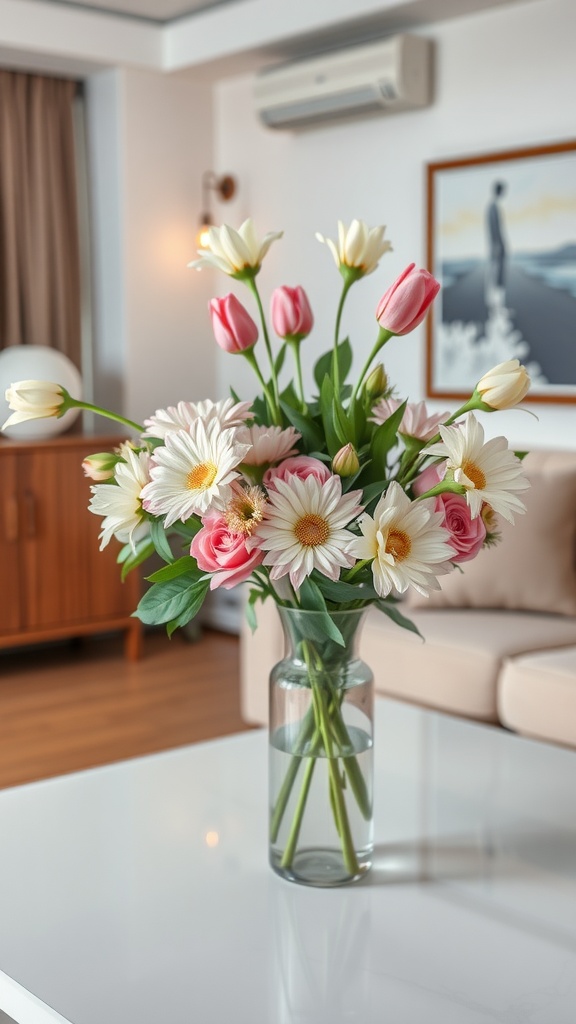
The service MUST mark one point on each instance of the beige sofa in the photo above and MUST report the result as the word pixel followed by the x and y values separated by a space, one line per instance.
pixel 500 638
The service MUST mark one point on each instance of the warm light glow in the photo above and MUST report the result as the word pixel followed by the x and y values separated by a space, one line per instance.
pixel 202 236
pixel 211 839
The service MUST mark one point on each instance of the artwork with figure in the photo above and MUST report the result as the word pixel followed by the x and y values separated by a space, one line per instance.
pixel 502 242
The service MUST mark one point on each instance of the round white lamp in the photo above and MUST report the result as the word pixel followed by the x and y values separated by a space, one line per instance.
pixel 37 362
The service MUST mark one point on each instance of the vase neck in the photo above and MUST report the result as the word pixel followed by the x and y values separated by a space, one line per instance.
pixel 310 627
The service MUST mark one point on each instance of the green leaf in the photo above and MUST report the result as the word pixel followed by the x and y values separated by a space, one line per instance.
pixel 130 559
pixel 342 423
pixel 290 397
pixel 341 593
pixel 311 432
pixel 384 438
pixel 321 626
pixel 333 442
pixel 172 600
pixel 187 530
pixel 323 367
pixel 261 412
pixel 181 620
pixel 183 565
pixel 160 540
pixel 373 491
pixel 393 613
pixel 357 417
pixel 254 595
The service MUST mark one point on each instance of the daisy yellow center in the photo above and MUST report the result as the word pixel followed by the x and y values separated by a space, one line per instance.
pixel 398 545
pixel 202 476
pixel 475 474
pixel 312 530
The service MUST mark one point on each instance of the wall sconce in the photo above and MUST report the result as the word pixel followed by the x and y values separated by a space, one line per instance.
pixel 225 188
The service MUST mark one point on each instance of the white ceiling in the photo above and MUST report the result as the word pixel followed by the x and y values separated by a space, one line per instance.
pixel 151 10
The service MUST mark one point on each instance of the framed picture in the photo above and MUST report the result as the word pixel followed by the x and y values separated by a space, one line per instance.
pixel 502 243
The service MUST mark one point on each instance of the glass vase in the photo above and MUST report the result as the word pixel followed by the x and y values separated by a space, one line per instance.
pixel 321 752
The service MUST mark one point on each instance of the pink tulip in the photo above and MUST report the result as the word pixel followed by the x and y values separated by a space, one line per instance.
pixel 290 312
pixel 234 328
pixel 407 301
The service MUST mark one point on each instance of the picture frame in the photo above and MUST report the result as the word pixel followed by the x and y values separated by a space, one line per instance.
pixel 501 239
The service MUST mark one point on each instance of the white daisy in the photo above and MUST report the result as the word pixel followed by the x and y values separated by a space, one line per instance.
pixel 268 444
pixel 238 253
pixel 358 246
pixel 304 528
pixel 121 503
pixel 192 471
pixel 180 417
pixel 489 471
pixel 406 542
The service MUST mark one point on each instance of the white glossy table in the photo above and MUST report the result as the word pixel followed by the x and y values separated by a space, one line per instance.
pixel 140 893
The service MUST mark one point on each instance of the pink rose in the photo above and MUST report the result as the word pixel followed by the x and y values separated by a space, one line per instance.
pixel 407 301
pixel 234 328
pixel 290 312
pixel 224 554
pixel 301 466
pixel 467 535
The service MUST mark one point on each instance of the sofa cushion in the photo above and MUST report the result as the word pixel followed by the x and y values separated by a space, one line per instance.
pixel 537 695
pixel 456 668
pixel 532 568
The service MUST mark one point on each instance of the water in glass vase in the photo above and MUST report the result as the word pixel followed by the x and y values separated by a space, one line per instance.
pixel 305 843
pixel 321 736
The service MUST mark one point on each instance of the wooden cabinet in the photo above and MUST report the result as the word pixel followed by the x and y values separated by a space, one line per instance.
pixel 55 580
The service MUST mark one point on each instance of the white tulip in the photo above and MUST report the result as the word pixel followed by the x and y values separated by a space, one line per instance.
pixel 358 246
pixel 505 385
pixel 238 253
pixel 35 400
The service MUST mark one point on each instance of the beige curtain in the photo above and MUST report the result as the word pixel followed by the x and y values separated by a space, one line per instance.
pixel 39 247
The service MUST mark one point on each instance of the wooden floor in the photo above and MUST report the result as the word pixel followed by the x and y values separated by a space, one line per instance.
pixel 67 707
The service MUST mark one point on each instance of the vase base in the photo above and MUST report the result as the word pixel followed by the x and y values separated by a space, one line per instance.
pixel 319 867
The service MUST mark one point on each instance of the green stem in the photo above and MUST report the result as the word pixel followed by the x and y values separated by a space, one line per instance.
pixel 383 337
pixel 353 770
pixel 412 470
pixel 72 403
pixel 306 732
pixel 348 282
pixel 272 406
pixel 288 855
pixel 254 289
pixel 323 722
pixel 295 346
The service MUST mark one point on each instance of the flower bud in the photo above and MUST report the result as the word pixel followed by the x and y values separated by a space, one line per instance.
pixel 377 382
pixel 505 385
pixel 407 301
pixel 290 313
pixel 346 462
pixel 101 466
pixel 234 328
pixel 35 400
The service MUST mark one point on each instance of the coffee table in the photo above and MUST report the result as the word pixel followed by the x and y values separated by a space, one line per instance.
pixel 139 893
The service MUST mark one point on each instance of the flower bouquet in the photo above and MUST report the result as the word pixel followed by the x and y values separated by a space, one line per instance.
pixel 326 505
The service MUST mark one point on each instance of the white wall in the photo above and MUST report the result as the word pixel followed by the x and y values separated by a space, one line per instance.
pixel 504 80
pixel 168 144
pixel 150 140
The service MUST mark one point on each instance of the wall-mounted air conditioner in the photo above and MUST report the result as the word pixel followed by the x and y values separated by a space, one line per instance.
pixel 390 75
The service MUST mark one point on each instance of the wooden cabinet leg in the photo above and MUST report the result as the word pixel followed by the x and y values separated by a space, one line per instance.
pixel 133 641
